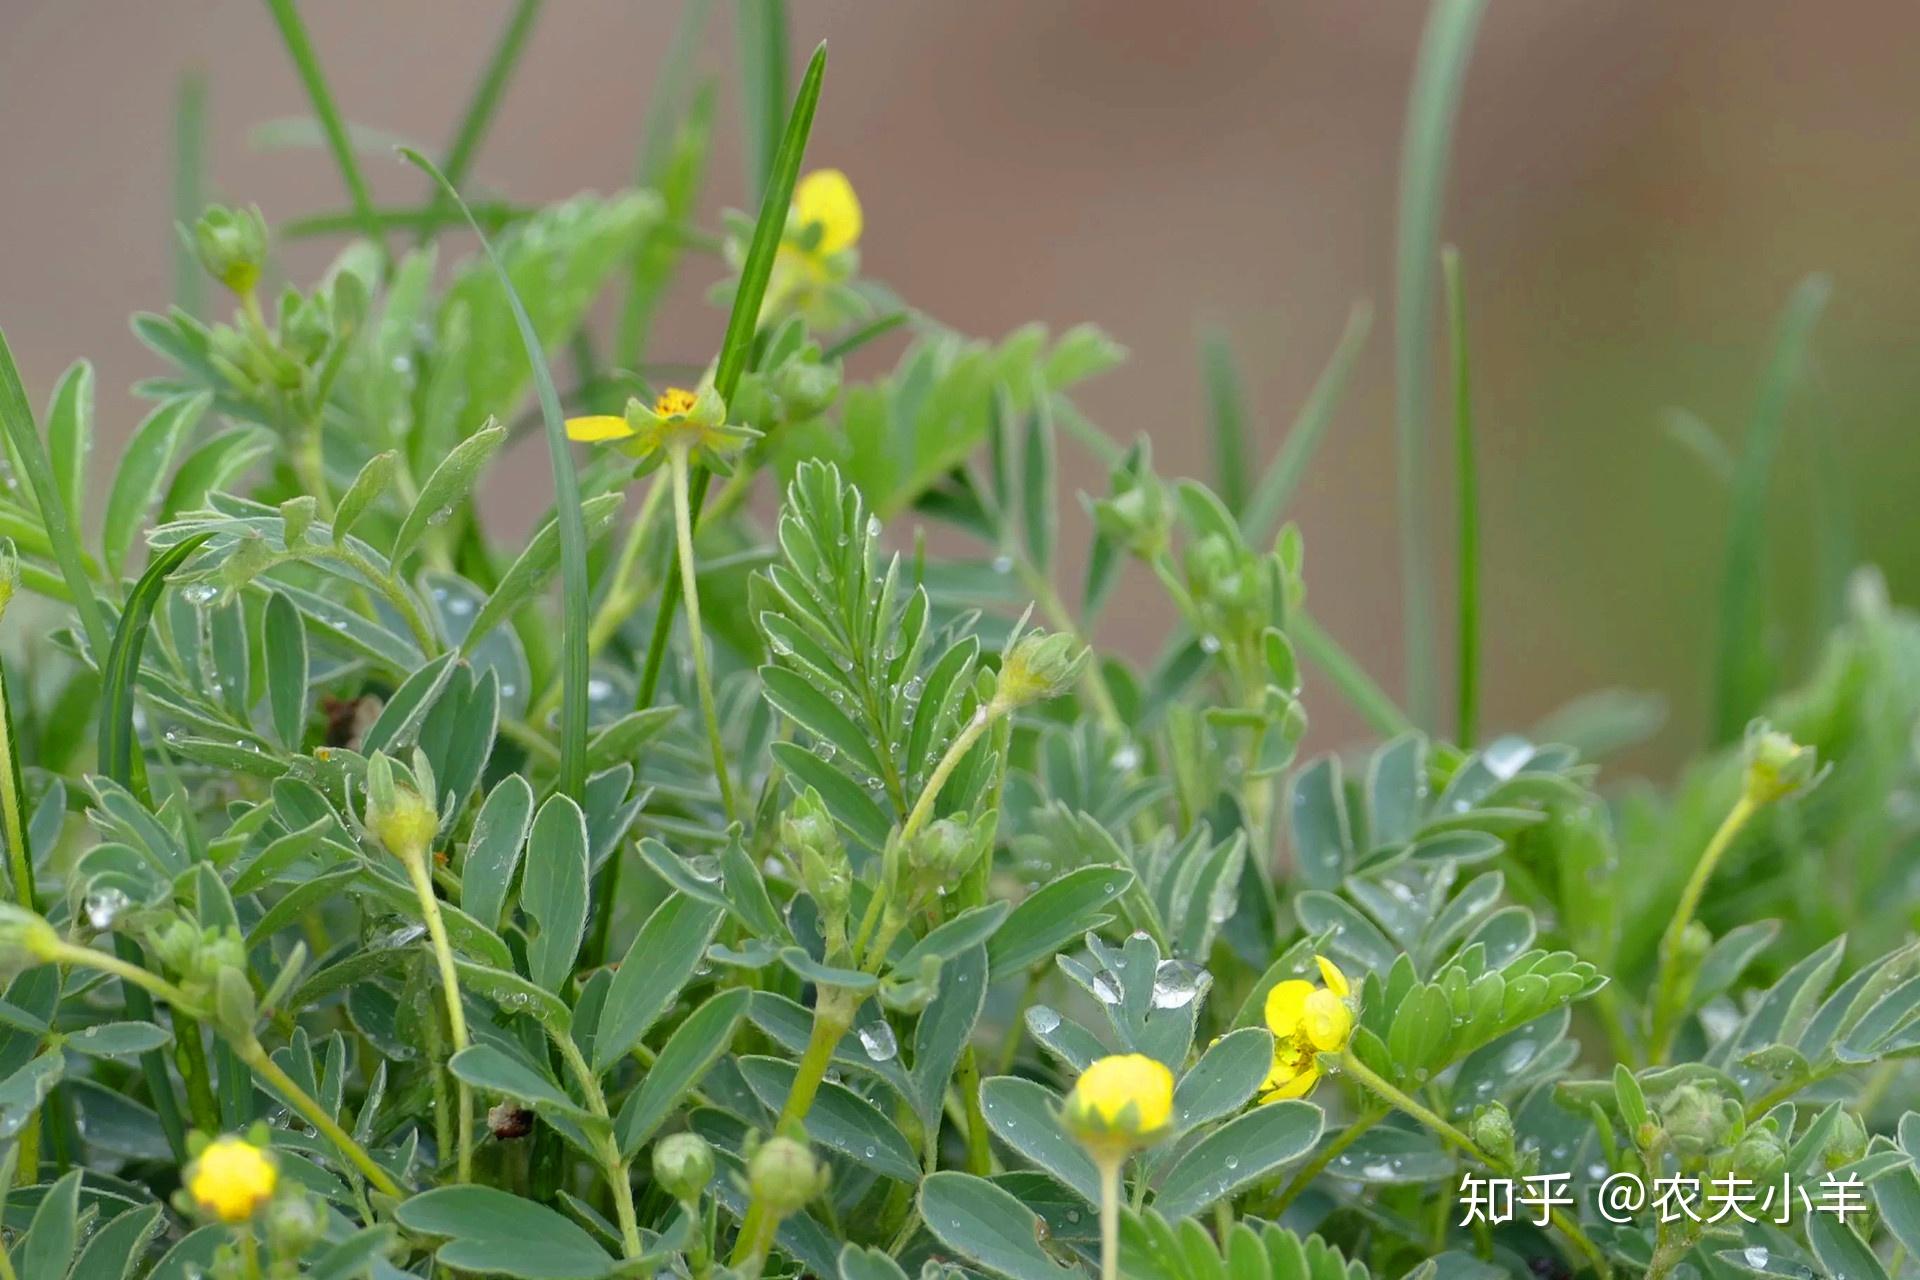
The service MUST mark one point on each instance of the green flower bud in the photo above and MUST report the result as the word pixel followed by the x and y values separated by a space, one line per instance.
pixel 26 940
pixel 1694 1120
pixel 1848 1143
pixel 233 1002
pixel 783 1175
pixel 296 515
pixel 399 817
pixel 683 1165
pixel 1776 765
pixel 231 245
pixel 806 386
pixel 306 330
pixel 293 1222
pixel 1040 666
pixel 1759 1156
pixel 1138 516
pixel 250 557
pixel 1492 1131
pixel 941 853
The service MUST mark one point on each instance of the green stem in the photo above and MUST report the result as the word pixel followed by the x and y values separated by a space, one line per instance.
pixel 416 865
pixel 13 827
pixel 832 1016
pixel 294 33
pixel 923 807
pixel 196 1074
pixel 1467 501
pixel 1388 1093
pixel 979 1149
pixel 310 460
pixel 611 1163
pixel 1326 1156
pixel 1109 1167
pixel 1093 680
pixel 1668 995
pixel 689 589
pixel 396 594
pixel 313 1113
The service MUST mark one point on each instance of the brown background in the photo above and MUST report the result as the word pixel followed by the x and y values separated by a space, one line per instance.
pixel 1637 186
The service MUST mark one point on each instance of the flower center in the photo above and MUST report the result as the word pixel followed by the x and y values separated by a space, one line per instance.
pixel 674 402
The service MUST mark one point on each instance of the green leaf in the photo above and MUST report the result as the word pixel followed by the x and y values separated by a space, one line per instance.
pixel 1025 1116
pixel 690 1051
pixel 490 1069
pixel 663 956
pixel 514 994
pixel 1226 419
pixel 401 718
pixel 115 1247
pixel 1842 1254
pixel 70 436
pixel 143 469
pixel 1238 1154
pixel 554 894
pixel 372 484
pixel 839 1120
pixel 1466 511
pixel 449 486
pixel 294 34
pixel 857 1263
pixel 530 572
pixel 1040 506
pixel 122 668
pixel 47 1251
pixel 1224 1078
pixel 215 465
pixel 1277 484
pixel 1055 914
pixel 493 854
pixel 118 1039
pixel 283 640
pixel 763 85
pixel 962 933
pixel 987 1225
pixel 944 1030
pixel 497 1233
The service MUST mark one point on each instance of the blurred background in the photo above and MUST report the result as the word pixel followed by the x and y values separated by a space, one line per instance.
pixel 1635 190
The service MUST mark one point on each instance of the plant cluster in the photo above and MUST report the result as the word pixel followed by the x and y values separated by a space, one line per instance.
pixel 786 897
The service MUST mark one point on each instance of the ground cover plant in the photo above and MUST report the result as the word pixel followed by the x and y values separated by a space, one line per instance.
pixel 683 891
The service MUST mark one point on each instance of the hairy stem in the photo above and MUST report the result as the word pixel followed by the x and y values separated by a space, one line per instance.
pixel 1669 995
pixel 1110 1217
pixel 1326 1156
pixel 611 1163
pixel 416 865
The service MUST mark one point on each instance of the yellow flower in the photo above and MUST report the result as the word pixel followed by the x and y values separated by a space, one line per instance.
pixel 824 198
pixel 231 1179
pixel 1119 1104
pixel 1306 1020
pixel 694 420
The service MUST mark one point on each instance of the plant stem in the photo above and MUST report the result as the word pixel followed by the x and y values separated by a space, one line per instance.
pixel 1327 1154
pixel 702 677
pixel 1109 1167
pixel 832 1015
pixel 416 865
pixel 309 459
pixel 611 1162
pixel 1388 1093
pixel 13 828
pixel 1668 995
pixel 294 33
pixel 262 1062
pixel 923 807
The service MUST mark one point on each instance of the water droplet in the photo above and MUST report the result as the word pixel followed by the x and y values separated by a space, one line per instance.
pixel 104 907
pixel 1209 643
pixel 1104 991
pixel 1505 756
pixel 1126 759
pixel 878 1040
pixel 873 531
pixel 199 593
pixel 1003 564
pixel 1178 983
pixel 704 867
pixel 1042 1020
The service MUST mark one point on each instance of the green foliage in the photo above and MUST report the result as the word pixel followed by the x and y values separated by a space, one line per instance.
pixel 408 867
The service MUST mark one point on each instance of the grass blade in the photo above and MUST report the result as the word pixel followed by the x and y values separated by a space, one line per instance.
pixel 189 187
pixel 574 606
pixel 294 33
pixel 737 346
pixel 1742 672
pixel 1347 675
pixel 119 758
pixel 669 87
pixel 1276 486
pixel 1466 508
pixel 478 117
pixel 763 84
pixel 1226 418
pixel 23 438
pixel 1438 78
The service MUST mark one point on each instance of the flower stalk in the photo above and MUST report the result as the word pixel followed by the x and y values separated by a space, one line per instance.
pixel 689 589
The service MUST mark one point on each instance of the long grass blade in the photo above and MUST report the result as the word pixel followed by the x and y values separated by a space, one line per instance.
pixel 189 187
pixel 293 33
pixel 1348 677
pixel 737 345
pixel 670 84
pixel 1226 418
pixel 478 117
pixel 574 606
pixel 1438 79
pixel 1466 511
pixel 1742 669
pixel 763 84
pixel 1282 477
pixel 23 439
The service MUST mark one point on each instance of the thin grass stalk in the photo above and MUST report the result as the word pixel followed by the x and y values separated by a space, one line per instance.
pixel 1466 512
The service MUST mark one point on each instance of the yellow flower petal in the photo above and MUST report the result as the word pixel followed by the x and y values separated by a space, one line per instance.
pixel 1284 1083
pixel 1286 1005
pixel 232 1179
pixel 826 197
pixel 598 427
pixel 1113 1084
pixel 1327 1021
pixel 1336 981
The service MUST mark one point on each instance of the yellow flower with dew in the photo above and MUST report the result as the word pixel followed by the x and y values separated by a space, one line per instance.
pixel 695 421
pixel 1306 1021
pixel 231 1179
pixel 1120 1104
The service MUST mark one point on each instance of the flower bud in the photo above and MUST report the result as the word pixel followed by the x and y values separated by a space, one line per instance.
pixel 1776 765
pixel 1694 1120
pixel 296 517
pixel 1040 666
pixel 1849 1141
pixel 1119 1105
pixel 1759 1157
pixel 940 854
pixel 231 1179
pixel 294 1224
pixel 233 1002
pixel 812 841
pixel 231 245
pixel 1138 516
pixel 783 1175
pixel 251 556
pixel 683 1165
pixel 1492 1132
pixel 806 386
pixel 399 817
